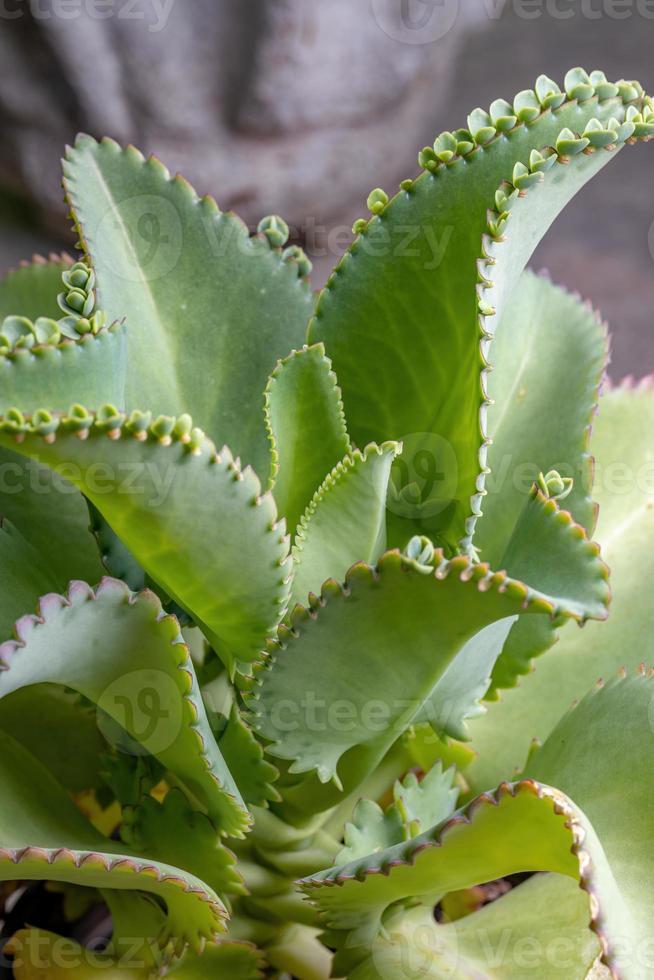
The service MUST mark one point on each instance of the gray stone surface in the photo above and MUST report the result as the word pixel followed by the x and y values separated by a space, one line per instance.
pixel 284 104
pixel 301 106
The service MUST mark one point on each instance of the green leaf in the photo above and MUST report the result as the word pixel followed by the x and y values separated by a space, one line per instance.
pixel 52 516
pixel 210 301
pixel 31 289
pixel 600 755
pixel 116 558
pixel 187 514
pixel 535 389
pixel 54 842
pixel 371 830
pixel 457 696
pixel 417 806
pixel 38 953
pixel 502 737
pixel 124 655
pixel 233 960
pixel 174 832
pixel 244 756
pixel 536 929
pixel 345 522
pixel 401 315
pixel 24 576
pixel 90 370
pixel 579 812
pixel 516 829
pixel 552 553
pixel 427 802
pixel 130 777
pixel 350 649
pixel 58 730
pixel 307 429
pixel 549 353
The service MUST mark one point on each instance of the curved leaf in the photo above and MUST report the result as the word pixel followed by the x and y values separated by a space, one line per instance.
pixel 502 737
pixel 187 514
pixel 307 429
pixel 401 313
pixel 218 307
pixel 592 826
pixel 457 696
pixel 173 832
pixel 56 843
pixel 537 929
pixel 350 650
pixel 600 755
pixel 549 353
pixel 244 755
pixel 550 552
pixel 346 520
pixel 122 653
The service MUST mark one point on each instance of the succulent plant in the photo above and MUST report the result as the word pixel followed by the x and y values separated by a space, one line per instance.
pixel 276 707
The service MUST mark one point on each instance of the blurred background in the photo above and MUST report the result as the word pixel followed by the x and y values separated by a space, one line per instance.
pixel 300 107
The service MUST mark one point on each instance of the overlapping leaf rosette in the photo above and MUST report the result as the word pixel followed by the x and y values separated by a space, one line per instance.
pixel 277 703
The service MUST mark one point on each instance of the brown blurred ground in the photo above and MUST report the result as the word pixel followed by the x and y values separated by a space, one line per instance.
pixel 599 247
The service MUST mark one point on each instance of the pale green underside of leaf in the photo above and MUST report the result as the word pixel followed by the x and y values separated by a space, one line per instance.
pixel 209 310
pixel 188 518
pixel 537 929
pixel 457 696
pixel 549 353
pixel 91 371
pixel 56 843
pixel 593 826
pixel 625 492
pixel 345 522
pixel 31 290
pixel 600 755
pixel 112 646
pixel 401 325
pixel 307 429
pixel 352 651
